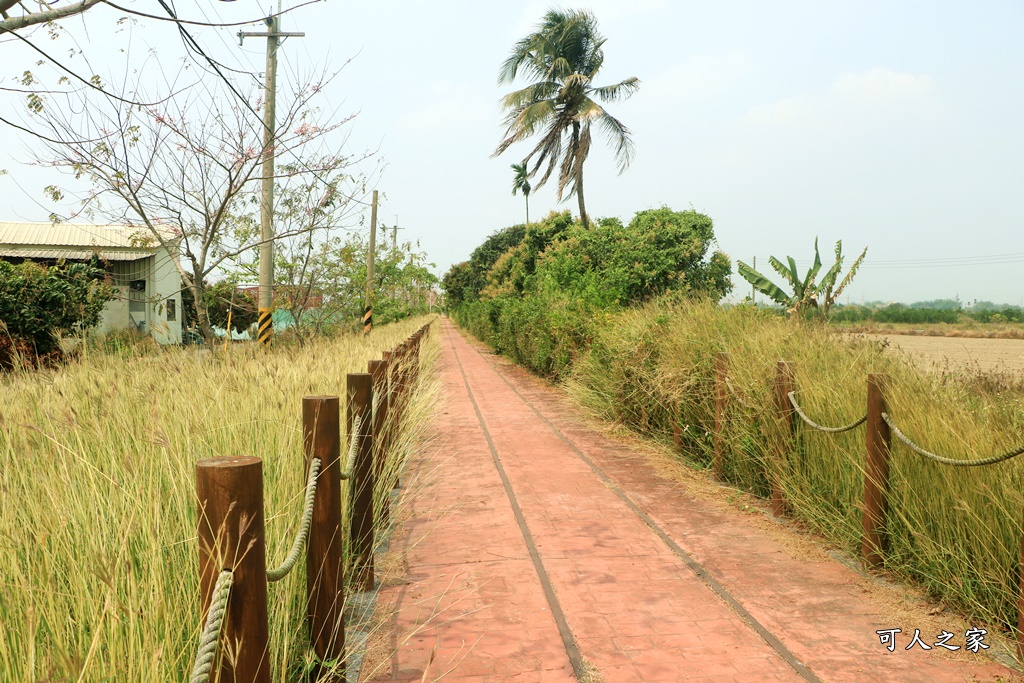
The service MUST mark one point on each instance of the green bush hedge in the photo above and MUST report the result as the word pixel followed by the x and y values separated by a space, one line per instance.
pixel 37 302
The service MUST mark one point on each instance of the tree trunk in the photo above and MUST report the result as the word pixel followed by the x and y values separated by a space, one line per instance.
pixel 205 328
pixel 579 196
pixel 527 209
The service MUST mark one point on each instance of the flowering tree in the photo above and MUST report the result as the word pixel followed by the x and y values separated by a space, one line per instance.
pixel 188 173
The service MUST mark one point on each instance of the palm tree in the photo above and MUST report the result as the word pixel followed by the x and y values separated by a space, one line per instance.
pixel 562 57
pixel 521 182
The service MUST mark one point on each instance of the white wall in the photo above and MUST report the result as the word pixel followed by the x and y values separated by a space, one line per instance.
pixel 162 285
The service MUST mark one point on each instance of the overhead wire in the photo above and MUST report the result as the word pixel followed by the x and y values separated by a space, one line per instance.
pixel 937 262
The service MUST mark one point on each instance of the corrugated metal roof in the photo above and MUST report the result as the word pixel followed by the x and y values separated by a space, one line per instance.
pixel 76 235
pixel 74 254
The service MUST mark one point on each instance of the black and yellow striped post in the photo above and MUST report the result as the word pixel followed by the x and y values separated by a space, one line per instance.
pixel 265 325
pixel 367 319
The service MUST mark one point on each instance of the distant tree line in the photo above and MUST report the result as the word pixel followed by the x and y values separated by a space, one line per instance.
pixel 928 312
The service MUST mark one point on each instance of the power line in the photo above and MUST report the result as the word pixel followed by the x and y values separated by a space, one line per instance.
pixel 939 262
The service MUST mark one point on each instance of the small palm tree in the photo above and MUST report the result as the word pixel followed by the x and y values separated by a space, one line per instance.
pixel 562 57
pixel 521 182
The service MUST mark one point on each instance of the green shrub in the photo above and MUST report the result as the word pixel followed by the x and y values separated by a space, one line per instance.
pixel 38 303
pixel 544 294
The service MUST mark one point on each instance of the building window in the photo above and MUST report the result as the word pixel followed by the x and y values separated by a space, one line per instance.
pixel 172 310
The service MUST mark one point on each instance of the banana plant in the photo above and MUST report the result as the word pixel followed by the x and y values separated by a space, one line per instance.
pixel 806 291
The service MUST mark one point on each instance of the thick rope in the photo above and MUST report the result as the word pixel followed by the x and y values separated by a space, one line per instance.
pixel 991 460
pixel 208 641
pixel 300 537
pixel 815 425
pixel 350 466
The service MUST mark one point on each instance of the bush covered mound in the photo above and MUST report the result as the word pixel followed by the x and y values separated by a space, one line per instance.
pixel 539 299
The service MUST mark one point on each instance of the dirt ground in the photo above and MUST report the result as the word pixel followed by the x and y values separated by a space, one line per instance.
pixel 960 353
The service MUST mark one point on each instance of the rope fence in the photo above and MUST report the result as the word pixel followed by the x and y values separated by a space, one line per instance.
pixel 814 425
pixel 231 525
pixel 954 462
pixel 300 538
pixel 207 651
pixel 879 427
pixel 350 464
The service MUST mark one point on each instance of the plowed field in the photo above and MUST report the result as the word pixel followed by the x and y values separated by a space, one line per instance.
pixel 959 353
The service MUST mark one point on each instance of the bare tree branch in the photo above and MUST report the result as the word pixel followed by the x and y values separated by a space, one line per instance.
pixel 34 18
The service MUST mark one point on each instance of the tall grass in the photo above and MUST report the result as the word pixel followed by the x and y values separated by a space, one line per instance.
pixel 956 531
pixel 98 550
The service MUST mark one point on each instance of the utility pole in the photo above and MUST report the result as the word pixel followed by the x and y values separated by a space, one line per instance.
pixel 753 290
pixel 368 310
pixel 394 234
pixel 266 299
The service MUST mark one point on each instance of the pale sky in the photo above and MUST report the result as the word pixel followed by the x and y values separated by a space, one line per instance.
pixel 895 126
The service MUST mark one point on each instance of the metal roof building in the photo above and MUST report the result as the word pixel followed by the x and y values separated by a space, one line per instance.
pixel 145 274
pixel 75 241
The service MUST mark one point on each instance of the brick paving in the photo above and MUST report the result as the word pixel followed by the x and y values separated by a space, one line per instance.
pixel 474 597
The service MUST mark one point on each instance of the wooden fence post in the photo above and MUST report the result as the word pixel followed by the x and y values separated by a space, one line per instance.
pixel 721 372
pixel 417 338
pixel 403 380
pixel 360 403
pixel 1020 607
pixel 229 492
pixel 785 382
pixel 394 360
pixel 379 371
pixel 876 474
pixel 325 578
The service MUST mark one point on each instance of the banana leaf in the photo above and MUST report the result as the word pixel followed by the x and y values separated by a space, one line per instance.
pixel 763 284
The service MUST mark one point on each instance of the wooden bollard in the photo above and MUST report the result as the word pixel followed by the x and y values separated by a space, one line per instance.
pixel 379 371
pixel 876 474
pixel 414 358
pixel 229 492
pixel 402 374
pixel 1020 607
pixel 785 382
pixel 360 402
pixel 721 373
pixel 325 568
pixel 388 437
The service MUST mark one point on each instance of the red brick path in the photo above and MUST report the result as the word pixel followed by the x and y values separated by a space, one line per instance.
pixel 637 611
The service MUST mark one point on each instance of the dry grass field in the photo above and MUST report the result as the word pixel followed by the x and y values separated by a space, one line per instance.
pixel 958 353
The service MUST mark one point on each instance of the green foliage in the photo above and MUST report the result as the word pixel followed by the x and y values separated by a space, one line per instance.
pixel 545 294
pixel 899 313
pixel 37 302
pixel 806 291
pixel 320 271
pixel 225 297
pixel 928 312
pixel 660 250
pixel 464 281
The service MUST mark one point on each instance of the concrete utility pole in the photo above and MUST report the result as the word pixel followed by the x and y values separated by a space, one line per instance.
pixel 394 234
pixel 266 298
pixel 753 289
pixel 368 310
